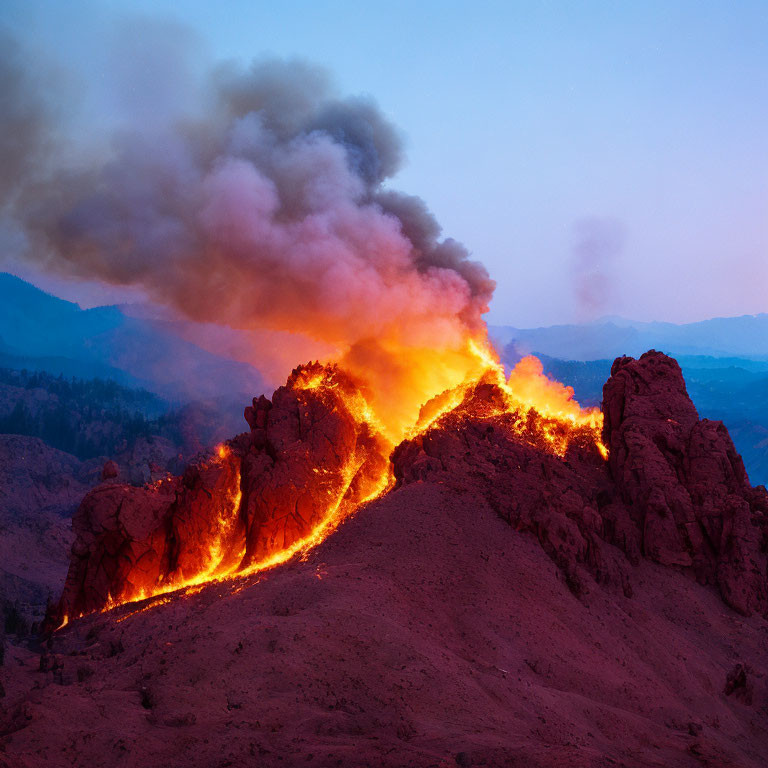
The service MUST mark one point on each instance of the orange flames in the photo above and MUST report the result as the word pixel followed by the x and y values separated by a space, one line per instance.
pixel 404 385
pixel 528 390
pixel 411 403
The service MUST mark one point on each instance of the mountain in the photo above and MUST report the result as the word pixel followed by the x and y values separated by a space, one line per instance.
pixel 511 599
pixel 732 390
pixel 41 332
pixel 725 362
pixel 745 336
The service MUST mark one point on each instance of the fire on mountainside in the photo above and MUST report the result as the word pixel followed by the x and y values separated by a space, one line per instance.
pixel 225 532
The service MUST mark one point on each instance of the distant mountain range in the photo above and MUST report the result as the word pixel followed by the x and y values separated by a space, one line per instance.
pixel 41 332
pixel 610 337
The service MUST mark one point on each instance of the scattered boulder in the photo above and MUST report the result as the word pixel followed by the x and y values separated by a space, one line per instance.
pixel 738 684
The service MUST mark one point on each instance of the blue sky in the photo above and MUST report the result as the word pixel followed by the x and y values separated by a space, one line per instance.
pixel 524 120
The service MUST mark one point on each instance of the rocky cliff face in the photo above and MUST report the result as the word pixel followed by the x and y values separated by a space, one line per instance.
pixel 306 453
pixel 673 490
pixel 682 497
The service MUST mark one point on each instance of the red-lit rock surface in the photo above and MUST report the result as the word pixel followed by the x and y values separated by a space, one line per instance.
pixel 294 464
pixel 682 495
pixel 555 499
pixel 303 444
pixel 500 607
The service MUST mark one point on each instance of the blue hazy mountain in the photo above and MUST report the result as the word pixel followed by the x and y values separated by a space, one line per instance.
pixel 41 332
pixel 607 338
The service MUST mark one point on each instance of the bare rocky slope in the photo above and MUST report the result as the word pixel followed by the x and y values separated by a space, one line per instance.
pixel 501 606
pixel 40 489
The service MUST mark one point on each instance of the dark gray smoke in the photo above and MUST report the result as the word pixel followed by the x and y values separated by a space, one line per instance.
pixel 25 119
pixel 260 206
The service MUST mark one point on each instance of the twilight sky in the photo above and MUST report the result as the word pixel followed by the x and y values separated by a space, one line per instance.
pixel 600 158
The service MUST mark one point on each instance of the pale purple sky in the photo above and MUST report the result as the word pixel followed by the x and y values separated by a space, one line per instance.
pixel 599 158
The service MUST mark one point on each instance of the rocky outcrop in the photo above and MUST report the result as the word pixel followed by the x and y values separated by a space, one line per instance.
pixel 674 489
pixel 130 541
pixel 509 465
pixel 306 456
pixel 308 453
pixel 683 497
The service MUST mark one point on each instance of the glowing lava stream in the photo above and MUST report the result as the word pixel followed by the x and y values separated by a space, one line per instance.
pixel 526 389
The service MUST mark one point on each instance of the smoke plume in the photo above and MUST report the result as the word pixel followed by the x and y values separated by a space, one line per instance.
pixel 262 206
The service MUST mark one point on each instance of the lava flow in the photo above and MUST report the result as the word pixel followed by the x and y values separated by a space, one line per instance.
pixel 316 452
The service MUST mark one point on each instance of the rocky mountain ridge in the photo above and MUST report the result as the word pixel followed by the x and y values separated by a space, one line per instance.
pixel 673 490
pixel 499 605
